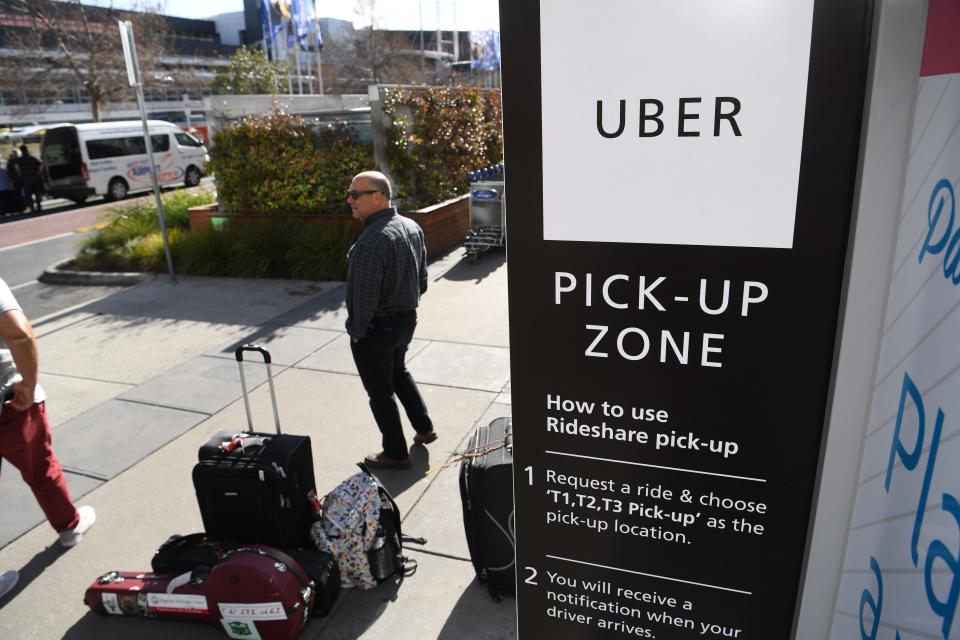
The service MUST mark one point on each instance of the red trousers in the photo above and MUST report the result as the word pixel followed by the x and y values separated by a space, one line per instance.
pixel 25 441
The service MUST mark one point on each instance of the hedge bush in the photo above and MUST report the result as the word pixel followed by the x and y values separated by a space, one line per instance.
pixel 278 248
pixel 437 135
pixel 280 164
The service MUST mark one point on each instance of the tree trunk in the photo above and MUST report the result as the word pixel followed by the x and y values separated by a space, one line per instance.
pixel 95 100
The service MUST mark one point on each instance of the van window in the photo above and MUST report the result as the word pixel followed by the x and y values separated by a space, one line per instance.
pixel 132 146
pixel 160 143
pixel 187 140
pixel 110 148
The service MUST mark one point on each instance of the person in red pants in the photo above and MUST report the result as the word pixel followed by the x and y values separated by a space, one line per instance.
pixel 25 434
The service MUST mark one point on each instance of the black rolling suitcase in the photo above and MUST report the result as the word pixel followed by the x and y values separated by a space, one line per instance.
pixel 253 487
pixel 486 490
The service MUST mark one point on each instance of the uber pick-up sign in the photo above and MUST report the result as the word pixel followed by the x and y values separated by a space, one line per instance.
pixel 684 134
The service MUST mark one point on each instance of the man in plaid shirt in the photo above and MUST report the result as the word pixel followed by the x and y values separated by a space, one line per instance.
pixel 386 274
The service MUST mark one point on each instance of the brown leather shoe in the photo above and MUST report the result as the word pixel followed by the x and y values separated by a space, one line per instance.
pixel 425 438
pixel 381 461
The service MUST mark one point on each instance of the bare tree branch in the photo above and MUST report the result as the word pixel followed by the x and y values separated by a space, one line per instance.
pixel 72 46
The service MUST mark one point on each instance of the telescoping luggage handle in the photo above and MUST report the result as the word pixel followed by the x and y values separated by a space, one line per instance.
pixel 243 382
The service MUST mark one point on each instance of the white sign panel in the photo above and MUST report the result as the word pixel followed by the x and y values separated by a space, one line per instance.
pixel 901 573
pixel 686 119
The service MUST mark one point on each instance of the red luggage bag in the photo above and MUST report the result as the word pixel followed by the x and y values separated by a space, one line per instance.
pixel 255 592
pixel 258 591
pixel 149 595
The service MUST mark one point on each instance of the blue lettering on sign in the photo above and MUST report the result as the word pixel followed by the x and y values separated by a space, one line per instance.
pixel 136 172
pixel 942 237
pixel 910 459
pixel 875 604
pixel 910 454
pixel 947 607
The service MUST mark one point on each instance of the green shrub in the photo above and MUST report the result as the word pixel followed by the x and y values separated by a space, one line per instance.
pixel 276 249
pixel 177 204
pixel 436 136
pixel 279 164
pixel 320 252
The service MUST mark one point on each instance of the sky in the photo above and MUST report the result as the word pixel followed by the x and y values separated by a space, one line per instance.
pixel 392 14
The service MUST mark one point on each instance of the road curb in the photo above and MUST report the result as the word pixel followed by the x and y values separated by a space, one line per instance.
pixel 55 275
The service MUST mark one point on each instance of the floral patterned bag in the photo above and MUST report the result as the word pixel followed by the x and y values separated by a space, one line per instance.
pixel 351 515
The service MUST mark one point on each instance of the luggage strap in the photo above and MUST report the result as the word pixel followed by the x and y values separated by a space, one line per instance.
pixel 474 452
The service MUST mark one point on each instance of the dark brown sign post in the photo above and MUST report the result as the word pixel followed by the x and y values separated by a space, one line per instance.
pixel 681 178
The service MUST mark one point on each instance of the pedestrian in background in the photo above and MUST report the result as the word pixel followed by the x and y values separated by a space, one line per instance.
pixel 31 174
pixel 10 201
pixel 25 434
pixel 13 173
pixel 386 275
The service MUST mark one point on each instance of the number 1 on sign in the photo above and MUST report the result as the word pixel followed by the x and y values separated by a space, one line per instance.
pixel 529 471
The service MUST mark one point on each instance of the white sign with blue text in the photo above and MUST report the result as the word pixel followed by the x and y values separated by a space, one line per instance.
pixel 901 573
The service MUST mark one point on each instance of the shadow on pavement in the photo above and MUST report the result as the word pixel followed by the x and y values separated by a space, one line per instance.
pixel 252 301
pixel 327 311
pixel 479 617
pixel 32 570
pixel 92 625
pixel 463 271
pixel 365 607
pixel 398 481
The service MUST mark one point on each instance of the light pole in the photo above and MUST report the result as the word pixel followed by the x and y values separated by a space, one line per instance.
pixel 133 75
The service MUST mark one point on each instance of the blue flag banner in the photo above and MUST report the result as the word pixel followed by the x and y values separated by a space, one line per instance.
pixel 302 15
pixel 316 19
pixel 265 22
pixel 485 50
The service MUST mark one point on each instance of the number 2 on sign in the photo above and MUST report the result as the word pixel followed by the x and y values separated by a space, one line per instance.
pixel 531 579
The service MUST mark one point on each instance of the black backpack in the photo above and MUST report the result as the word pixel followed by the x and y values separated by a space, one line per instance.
pixel 386 555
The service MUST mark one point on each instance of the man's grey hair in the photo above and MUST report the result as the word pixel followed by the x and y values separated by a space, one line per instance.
pixel 379 182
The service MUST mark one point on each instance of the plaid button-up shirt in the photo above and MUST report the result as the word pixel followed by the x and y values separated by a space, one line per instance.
pixel 386 270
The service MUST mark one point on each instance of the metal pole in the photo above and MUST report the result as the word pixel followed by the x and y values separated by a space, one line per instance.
pixel 423 59
pixel 456 35
pixel 133 75
pixel 273 40
pixel 316 25
pixel 439 32
pixel 286 45
pixel 297 52
pixel 156 183
pixel 309 64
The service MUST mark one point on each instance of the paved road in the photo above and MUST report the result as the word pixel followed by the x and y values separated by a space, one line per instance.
pixel 62 216
pixel 20 266
pixel 31 243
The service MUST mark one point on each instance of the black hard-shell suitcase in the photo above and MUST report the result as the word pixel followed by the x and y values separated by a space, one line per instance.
pixel 253 487
pixel 486 490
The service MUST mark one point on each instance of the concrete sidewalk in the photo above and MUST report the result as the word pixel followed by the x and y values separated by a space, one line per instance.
pixel 139 380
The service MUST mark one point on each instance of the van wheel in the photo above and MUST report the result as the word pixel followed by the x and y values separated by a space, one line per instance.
pixel 117 189
pixel 192 178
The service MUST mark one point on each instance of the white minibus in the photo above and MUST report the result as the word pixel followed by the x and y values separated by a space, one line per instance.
pixel 110 158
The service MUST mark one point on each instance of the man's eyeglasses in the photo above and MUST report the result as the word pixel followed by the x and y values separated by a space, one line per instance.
pixel 355 195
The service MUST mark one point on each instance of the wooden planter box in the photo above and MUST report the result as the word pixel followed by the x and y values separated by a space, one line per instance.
pixel 208 217
pixel 444 225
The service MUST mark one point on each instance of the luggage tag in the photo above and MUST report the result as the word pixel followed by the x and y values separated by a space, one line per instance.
pixel 243 440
